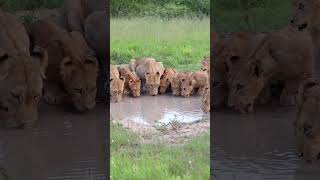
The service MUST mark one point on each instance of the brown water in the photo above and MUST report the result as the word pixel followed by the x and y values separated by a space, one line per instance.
pixel 258 146
pixel 153 111
pixel 66 145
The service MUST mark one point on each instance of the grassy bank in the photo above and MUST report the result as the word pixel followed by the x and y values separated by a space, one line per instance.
pixel 131 160
pixel 229 16
pixel 179 43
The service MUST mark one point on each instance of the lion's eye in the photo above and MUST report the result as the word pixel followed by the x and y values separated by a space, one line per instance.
pixel 301 6
pixel 78 90
pixel 15 95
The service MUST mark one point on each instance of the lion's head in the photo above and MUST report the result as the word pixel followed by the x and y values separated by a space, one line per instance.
pixel 116 88
pixel 153 74
pixel 21 83
pixel 186 84
pixel 245 86
pixel 308 124
pixel 176 83
pixel 166 79
pixel 305 14
pixel 79 71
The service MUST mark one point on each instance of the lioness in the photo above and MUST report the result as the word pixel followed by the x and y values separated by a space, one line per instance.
pixel 197 80
pixel 149 71
pixel 284 55
pixel 166 79
pixel 116 84
pixel 229 53
pixel 76 12
pixel 72 70
pixel 132 82
pixel 21 75
pixel 307 124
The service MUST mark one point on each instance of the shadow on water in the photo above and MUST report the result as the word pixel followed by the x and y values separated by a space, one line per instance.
pixel 258 146
pixel 65 145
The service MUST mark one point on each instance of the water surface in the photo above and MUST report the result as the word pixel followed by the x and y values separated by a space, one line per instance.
pixel 158 110
pixel 65 145
pixel 258 146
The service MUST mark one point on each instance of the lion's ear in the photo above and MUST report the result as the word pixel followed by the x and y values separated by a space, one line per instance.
pixel 3 65
pixel 257 69
pixel 41 54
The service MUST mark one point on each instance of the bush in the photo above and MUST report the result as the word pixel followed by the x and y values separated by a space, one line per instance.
pixel 160 8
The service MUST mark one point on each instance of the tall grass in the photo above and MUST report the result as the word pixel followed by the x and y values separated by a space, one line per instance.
pixel 30 4
pixel 179 43
pixel 229 16
pixel 131 160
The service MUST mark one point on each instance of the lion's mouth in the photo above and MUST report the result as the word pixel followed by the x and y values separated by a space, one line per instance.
pixel 244 109
pixel 303 26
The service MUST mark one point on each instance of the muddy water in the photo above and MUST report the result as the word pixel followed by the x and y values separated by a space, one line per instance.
pixel 153 111
pixel 65 145
pixel 258 146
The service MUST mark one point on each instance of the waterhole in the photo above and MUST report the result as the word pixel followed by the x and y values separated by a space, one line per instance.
pixel 258 146
pixel 66 145
pixel 154 111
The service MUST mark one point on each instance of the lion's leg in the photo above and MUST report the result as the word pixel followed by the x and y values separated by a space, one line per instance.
pixel 53 94
pixel 201 91
pixel 289 93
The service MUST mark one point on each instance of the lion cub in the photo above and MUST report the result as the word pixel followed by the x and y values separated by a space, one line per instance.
pixel 116 84
pixel 307 124
pixel 132 82
pixel 197 80
pixel 176 83
pixel 166 79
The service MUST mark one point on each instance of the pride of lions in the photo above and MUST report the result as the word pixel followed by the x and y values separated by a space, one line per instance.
pixel 248 67
pixel 148 75
pixel 51 61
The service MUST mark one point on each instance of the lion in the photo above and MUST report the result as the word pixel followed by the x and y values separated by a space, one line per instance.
pixel 306 14
pixel 96 34
pixel 76 11
pixel 205 99
pixel 196 80
pixel 230 53
pixel 150 72
pixel 72 70
pixel 307 124
pixel 117 84
pixel 166 79
pixel 206 64
pixel 132 82
pixel 285 55
pixel 176 83
pixel 21 74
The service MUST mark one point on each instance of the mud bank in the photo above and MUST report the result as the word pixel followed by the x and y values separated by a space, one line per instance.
pixel 258 146
pixel 65 145
pixel 162 118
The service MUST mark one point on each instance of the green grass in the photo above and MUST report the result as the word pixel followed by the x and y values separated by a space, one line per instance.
pixel 30 4
pixel 229 17
pixel 131 160
pixel 178 43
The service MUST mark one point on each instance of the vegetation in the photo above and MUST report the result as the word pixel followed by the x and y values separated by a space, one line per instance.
pixel 29 4
pixel 160 8
pixel 132 160
pixel 253 15
pixel 179 43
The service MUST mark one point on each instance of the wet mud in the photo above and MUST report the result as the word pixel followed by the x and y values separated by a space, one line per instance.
pixel 164 116
pixel 258 146
pixel 65 145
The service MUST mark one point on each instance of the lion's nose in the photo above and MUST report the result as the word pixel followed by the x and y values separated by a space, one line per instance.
pixel 292 21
